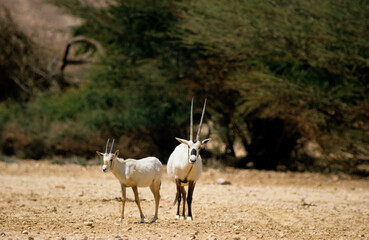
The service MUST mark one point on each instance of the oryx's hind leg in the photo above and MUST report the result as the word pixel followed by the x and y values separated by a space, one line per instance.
pixel 155 189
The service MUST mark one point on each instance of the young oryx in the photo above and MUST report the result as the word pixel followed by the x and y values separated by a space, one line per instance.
pixel 134 173
pixel 185 165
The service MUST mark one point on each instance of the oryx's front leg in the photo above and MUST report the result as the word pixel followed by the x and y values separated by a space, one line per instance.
pixel 191 187
pixel 123 201
pixel 183 192
pixel 178 196
pixel 137 200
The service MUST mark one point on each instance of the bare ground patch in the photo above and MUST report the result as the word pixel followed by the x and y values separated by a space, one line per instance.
pixel 40 200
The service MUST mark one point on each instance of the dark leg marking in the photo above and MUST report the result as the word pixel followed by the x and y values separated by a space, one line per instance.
pixel 178 195
pixel 184 200
pixel 191 187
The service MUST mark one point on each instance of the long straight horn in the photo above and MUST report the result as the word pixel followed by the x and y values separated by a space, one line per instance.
pixel 202 118
pixel 191 121
pixel 112 144
pixel 107 144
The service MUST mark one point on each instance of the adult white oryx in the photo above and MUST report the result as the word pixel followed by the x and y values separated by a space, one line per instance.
pixel 185 165
pixel 134 173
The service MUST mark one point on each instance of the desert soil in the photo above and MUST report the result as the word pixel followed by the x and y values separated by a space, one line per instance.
pixel 40 200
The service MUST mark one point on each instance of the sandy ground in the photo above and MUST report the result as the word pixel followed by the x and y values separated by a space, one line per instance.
pixel 39 200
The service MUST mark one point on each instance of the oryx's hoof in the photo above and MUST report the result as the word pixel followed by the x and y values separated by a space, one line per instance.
pixel 119 221
pixel 177 217
pixel 189 218
pixel 154 219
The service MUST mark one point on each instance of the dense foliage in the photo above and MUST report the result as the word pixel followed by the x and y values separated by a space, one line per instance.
pixel 280 76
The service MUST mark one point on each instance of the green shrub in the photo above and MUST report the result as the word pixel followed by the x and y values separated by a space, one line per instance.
pixel 277 72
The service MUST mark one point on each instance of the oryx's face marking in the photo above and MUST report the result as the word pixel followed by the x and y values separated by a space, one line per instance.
pixel 108 161
pixel 108 157
pixel 194 150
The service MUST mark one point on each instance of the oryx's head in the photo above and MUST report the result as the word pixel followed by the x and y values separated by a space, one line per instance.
pixel 108 157
pixel 194 146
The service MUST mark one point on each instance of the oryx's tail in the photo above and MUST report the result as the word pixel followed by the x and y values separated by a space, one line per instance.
pixel 176 199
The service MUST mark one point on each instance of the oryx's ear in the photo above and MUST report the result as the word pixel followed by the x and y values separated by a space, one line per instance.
pixel 100 153
pixel 116 153
pixel 182 141
pixel 205 141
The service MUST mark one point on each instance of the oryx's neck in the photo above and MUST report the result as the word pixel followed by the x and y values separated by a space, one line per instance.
pixel 184 153
pixel 118 166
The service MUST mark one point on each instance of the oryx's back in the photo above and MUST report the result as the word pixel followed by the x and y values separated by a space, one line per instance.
pixel 143 171
pixel 149 164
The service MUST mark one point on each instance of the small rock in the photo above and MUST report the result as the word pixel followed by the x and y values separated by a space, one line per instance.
pixel 222 181
pixel 31 238
pixel 2 234
pixel 81 194
pixel 25 232
pixel 89 223
pixel 129 229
